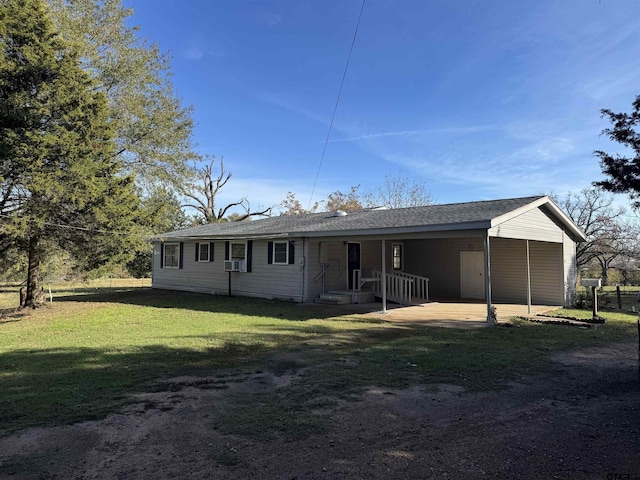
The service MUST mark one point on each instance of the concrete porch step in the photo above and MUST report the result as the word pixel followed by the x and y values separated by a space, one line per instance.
pixel 333 299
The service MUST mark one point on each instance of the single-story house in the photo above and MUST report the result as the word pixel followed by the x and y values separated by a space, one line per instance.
pixel 517 250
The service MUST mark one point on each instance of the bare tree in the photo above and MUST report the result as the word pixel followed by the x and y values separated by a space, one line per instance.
pixel 609 235
pixel 398 192
pixel 203 190
pixel 395 192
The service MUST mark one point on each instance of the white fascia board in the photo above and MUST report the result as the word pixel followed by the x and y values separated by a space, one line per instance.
pixel 564 218
pixel 192 238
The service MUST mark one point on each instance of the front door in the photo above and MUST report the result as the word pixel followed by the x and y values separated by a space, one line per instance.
pixel 472 275
pixel 353 261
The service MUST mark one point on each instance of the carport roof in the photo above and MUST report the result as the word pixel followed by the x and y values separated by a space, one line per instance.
pixel 453 216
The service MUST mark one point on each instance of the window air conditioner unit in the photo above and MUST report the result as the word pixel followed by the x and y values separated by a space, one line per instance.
pixel 234 265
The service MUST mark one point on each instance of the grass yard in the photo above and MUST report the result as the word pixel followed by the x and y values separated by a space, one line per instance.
pixel 84 355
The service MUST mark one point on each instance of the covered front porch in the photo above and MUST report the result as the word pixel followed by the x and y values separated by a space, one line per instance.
pixel 469 270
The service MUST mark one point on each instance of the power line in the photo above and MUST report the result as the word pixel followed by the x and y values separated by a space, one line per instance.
pixel 335 108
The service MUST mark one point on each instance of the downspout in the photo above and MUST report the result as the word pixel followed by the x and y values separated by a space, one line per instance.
pixel 383 280
pixel 487 278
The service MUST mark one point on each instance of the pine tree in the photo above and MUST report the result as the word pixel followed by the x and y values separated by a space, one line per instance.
pixel 153 131
pixel 61 180
pixel 622 172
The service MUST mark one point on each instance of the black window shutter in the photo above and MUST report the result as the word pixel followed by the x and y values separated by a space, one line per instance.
pixel 197 252
pixel 292 253
pixel 181 264
pixel 249 254
pixel 270 253
pixel 226 251
pixel 211 251
pixel 162 255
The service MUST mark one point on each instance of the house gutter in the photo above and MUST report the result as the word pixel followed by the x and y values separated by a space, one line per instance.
pixel 368 232
pixel 160 238
pixel 359 232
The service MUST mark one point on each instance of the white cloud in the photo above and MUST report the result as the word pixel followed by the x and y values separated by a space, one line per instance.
pixel 199 46
pixel 193 53
pixel 420 132
pixel 271 19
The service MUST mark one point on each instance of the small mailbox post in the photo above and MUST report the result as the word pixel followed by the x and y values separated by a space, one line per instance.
pixel 593 283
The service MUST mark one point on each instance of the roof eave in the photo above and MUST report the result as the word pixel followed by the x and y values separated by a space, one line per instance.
pixel 363 232
pixel 165 238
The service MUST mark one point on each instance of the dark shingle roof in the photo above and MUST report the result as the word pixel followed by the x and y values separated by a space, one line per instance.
pixel 363 222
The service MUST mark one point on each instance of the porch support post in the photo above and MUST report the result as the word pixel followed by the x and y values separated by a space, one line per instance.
pixel 383 280
pixel 487 278
pixel 528 280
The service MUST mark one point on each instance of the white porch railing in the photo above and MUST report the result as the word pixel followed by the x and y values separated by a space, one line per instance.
pixel 324 267
pixel 402 287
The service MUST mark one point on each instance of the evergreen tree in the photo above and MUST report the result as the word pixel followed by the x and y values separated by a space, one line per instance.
pixel 160 212
pixel 61 180
pixel 153 131
pixel 622 172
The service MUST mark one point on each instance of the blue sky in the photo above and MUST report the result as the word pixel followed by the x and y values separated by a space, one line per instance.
pixel 478 99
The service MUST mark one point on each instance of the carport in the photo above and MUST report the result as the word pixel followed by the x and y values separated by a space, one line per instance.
pixel 495 252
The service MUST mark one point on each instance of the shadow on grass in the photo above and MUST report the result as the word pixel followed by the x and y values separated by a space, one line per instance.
pixel 209 303
pixel 59 386
pixel 40 387
pixel 8 315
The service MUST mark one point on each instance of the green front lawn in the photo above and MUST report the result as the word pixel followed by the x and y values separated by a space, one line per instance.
pixel 83 356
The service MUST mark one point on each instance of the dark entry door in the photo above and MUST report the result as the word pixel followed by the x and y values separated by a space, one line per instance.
pixel 353 261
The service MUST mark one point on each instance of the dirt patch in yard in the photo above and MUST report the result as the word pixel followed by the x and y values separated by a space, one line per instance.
pixel 578 419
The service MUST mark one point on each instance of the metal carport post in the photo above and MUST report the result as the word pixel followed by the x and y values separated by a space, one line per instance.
pixel 487 278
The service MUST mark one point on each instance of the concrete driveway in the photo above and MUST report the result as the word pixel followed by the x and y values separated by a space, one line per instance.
pixel 457 314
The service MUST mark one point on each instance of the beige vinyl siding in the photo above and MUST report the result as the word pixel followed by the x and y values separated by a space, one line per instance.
pixel 439 260
pixel 313 287
pixel 533 225
pixel 334 254
pixel 508 270
pixel 570 270
pixel 547 282
pixel 371 256
pixel 266 281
